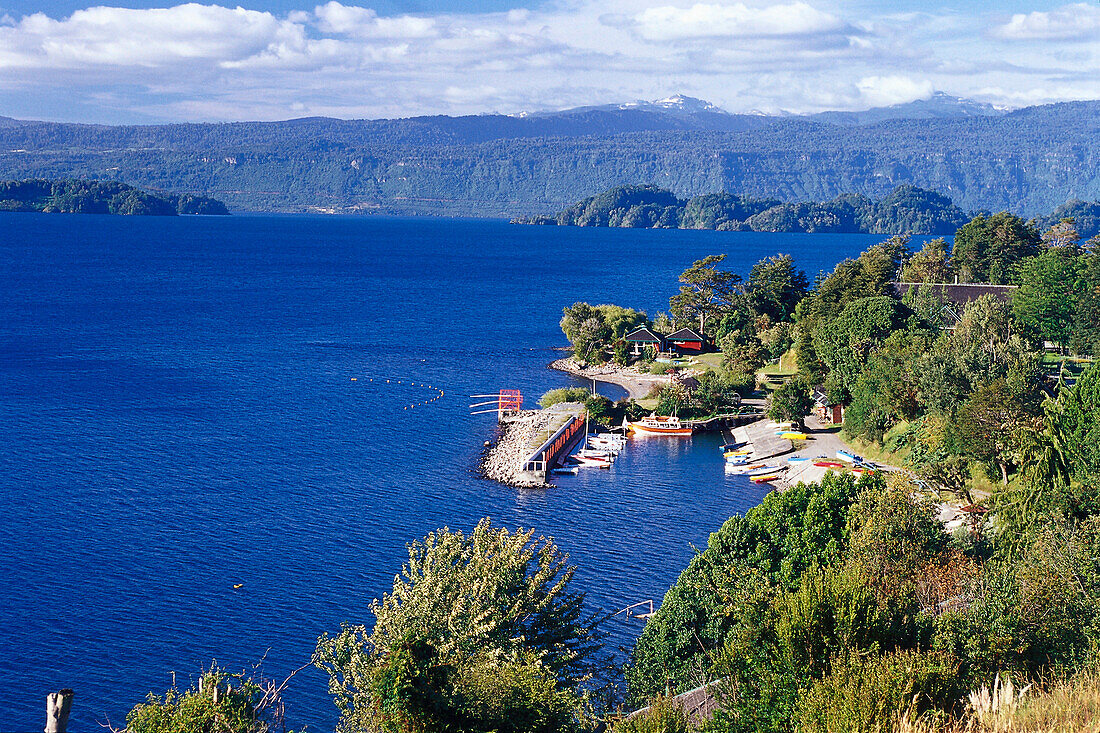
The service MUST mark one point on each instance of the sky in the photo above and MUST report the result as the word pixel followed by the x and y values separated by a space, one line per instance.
pixel 135 61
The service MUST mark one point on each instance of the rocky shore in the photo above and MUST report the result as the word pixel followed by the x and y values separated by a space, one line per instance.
pixel 523 432
pixel 637 384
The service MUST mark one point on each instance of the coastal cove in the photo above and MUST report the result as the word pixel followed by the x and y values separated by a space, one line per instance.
pixel 193 404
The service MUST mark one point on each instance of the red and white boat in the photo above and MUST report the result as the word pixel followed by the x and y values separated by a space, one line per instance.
pixel 659 425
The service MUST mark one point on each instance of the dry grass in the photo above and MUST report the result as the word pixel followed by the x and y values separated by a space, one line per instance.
pixel 1068 706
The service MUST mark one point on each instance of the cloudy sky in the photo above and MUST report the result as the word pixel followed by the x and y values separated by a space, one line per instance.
pixel 140 61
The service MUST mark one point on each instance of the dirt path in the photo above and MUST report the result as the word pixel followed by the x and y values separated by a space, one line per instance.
pixel 637 385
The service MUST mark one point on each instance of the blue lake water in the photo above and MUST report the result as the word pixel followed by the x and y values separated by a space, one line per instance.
pixel 177 416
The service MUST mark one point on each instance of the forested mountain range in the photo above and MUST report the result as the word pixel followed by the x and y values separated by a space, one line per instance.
pixel 1028 161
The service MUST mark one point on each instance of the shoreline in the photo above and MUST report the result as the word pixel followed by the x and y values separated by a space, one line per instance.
pixel 637 385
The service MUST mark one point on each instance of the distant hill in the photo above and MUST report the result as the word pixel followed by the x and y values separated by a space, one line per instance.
pixel 938 106
pixel 906 210
pixel 1028 161
pixel 99 197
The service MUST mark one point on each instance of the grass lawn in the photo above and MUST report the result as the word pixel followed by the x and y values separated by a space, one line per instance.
pixel 710 362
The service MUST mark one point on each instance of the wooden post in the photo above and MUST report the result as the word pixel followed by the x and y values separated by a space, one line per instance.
pixel 58 705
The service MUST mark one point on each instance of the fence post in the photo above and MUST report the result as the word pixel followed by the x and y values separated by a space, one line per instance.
pixel 58 705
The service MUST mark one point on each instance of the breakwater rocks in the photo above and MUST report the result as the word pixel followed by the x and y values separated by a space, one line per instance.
pixel 504 461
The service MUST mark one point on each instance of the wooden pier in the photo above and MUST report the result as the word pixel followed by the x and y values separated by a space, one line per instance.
pixel 761 436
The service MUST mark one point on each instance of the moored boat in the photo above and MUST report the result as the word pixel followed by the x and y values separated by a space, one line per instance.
pixel 660 425
pixel 848 456
pixel 744 468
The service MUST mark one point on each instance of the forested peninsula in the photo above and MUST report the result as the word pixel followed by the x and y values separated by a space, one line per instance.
pixel 905 210
pixel 71 196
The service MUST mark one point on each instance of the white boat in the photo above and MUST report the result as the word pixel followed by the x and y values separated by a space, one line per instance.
pixel 565 471
pixel 615 437
pixel 848 456
pixel 765 471
pixel 608 445
pixel 745 468
pixel 598 461
pixel 660 425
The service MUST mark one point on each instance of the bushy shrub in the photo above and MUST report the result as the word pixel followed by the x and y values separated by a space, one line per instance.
pixel 664 715
pixel 871 693
pixel 564 394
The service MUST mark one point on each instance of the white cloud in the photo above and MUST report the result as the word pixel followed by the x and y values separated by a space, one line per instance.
pixel 194 61
pixel 883 91
pixel 121 37
pixel 1077 22
pixel 334 17
pixel 714 20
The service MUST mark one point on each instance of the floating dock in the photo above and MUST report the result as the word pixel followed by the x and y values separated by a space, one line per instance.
pixel 760 435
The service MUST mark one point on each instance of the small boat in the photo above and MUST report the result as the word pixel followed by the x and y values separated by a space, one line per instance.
pixel 612 437
pixel 660 425
pixel 607 445
pixel 797 459
pixel 738 452
pixel 794 436
pixel 829 464
pixel 570 471
pixel 764 478
pixel 766 469
pixel 741 469
pixel 592 461
pixel 848 456
pixel 731 446
pixel 740 458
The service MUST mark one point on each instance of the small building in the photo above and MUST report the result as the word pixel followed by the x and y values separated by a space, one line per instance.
pixel 686 340
pixel 956 296
pixel 825 411
pixel 642 338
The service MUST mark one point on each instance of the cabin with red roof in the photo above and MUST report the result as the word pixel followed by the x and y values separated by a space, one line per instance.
pixel 686 341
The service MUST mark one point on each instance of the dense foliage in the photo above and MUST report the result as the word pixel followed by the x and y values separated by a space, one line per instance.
pixel 480 633
pixel 906 210
pixel 1028 161
pixel 218 703
pixel 99 197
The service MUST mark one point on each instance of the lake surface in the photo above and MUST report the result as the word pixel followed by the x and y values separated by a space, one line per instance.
pixel 178 416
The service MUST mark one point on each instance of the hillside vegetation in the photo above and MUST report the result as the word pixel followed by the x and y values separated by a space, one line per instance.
pixel 99 197
pixel 906 210
pixel 1029 161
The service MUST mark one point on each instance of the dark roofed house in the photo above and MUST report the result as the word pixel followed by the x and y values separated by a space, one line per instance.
pixel 957 295
pixel 686 340
pixel 640 338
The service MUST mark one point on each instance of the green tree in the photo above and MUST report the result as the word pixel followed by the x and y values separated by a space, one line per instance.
pixel 1047 300
pixel 1062 235
pixel 219 702
pixel 932 264
pixel 845 342
pixel 479 629
pixel 706 292
pixel 988 425
pixel 1079 422
pixel 775 287
pixel 791 402
pixel 988 248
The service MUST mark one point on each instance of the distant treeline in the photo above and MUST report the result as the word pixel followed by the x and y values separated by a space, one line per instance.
pixel 906 210
pixel 71 196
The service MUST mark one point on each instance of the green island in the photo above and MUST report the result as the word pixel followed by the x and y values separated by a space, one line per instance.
pixel 905 210
pixel 72 196
pixel 843 605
